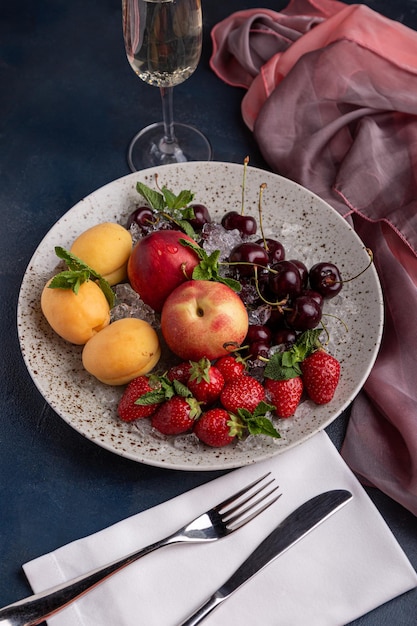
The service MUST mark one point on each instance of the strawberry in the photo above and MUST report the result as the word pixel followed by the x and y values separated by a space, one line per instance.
pixel 180 372
pixel 176 415
pixel 321 373
pixel 285 394
pixel 231 367
pixel 216 428
pixel 127 410
pixel 205 382
pixel 242 393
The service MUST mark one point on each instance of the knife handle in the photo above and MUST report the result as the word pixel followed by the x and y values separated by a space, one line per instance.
pixel 203 611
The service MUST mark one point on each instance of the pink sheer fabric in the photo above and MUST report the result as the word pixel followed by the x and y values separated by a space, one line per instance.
pixel 332 101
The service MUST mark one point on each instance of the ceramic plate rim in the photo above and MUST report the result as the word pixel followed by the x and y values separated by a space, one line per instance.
pixel 207 460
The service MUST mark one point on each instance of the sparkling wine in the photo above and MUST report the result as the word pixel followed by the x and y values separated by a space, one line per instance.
pixel 163 39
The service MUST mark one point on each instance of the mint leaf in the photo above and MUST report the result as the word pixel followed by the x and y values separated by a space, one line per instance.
pixel 79 272
pixel 282 366
pixel 262 426
pixel 257 423
pixel 208 268
pixel 179 201
pixel 155 199
pixel 69 280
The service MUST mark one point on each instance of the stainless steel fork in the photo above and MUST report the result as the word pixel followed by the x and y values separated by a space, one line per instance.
pixel 218 522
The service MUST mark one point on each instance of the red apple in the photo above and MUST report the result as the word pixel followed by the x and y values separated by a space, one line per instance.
pixel 201 318
pixel 158 264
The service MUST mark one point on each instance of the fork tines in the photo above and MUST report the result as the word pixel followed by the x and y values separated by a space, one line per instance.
pixel 246 503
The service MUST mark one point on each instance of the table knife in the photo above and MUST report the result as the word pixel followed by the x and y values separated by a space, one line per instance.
pixel 293 528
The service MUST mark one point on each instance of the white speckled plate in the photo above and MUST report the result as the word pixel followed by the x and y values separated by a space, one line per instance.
pixel 309 228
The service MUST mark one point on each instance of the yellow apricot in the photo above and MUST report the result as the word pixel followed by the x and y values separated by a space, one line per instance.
pixel 105 248
pixel 76 317
pixel 127 348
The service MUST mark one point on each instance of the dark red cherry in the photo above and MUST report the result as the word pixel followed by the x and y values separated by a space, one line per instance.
pixel 305 313
pixel 259 348
pixel 315 295
pixel 247 255
pixel 325 278
pixel 245 224
pixel 143 217
pixel 274 248
pixel 201 216
pixel 257 332
pixel 285 337
pixel 303 272
pixel 285 280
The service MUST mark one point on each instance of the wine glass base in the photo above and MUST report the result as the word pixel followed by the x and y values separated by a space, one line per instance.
pixel 148 148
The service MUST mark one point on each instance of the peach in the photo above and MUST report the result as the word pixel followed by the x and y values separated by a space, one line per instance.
pixel 203 318
pixel 106 248
pixel 127 348
pixel 76 317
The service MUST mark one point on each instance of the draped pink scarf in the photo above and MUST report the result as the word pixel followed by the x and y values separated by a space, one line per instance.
pixel 332 101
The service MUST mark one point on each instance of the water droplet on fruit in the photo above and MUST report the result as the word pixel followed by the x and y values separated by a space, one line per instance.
pixel 172 249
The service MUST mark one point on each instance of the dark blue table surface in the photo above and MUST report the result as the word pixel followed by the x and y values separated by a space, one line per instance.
pixel 69 105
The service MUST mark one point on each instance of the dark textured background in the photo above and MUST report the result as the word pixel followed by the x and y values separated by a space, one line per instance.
pixel 69 105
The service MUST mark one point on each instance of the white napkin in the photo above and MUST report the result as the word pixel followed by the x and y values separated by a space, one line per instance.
pixel 346 567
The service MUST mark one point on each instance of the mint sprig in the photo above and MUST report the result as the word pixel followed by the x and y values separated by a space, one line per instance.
pixel 208 267
pixel 257 422
pixel 78 273
pixel 174 207
pixel 287 364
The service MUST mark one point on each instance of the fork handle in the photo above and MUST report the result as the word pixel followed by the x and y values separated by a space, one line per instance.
pixel 38 607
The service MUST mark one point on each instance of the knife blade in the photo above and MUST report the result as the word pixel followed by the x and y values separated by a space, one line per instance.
pixel 293 528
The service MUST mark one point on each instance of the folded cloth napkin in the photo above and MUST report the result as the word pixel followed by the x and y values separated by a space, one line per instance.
pixel 332 101
pixel 344 568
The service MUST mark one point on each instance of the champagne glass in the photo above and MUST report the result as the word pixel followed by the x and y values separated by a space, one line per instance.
pixel 163 41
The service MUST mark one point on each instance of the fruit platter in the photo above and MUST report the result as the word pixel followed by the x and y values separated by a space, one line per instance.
pixel 247 207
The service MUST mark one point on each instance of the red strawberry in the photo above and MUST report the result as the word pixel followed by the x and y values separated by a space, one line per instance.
pixel 231 367
pixel 176 415
pixel 180 372
pixel 242 393
pixel 285 394
pixel 215 428
pixel 127 410
pixel 205 382
pixel 321 373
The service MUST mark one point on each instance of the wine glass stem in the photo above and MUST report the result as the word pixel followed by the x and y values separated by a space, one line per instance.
pixel 168 114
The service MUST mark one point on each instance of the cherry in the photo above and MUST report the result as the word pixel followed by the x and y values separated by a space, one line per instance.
pixel 315 295
pixel 201 216
pixel 285 337
pixel 259 348
pixel 247 252
pixel 257 332
pixel 304 314
pixel 303 272
pixel 285 280
pixel 274 248
pixel 325 278
pixel 245 224
pixel 143 217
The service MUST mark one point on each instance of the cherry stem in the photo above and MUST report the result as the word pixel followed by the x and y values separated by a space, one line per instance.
pixel 245 167
pixel 261 226
pixel 348 280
